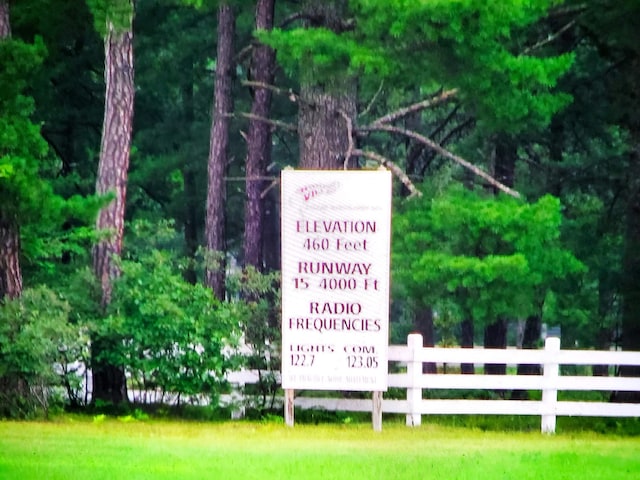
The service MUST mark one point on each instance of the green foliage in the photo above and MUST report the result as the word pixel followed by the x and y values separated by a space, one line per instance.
pixel 170 335
pixel 21 146
pixel 259 318
pixel 111 14
pixel 474 45
pixel 37 343
pixel 480 258
pixel 49 224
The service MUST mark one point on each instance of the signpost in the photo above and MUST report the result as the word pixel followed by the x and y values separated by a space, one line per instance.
pixel 335 280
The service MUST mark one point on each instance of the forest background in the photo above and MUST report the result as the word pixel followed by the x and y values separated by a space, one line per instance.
pixel 141 143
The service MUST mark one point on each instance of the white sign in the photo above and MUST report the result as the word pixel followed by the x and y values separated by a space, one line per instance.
pixel 335 279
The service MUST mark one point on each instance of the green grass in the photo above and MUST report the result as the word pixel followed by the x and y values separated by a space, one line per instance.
pixel 77 448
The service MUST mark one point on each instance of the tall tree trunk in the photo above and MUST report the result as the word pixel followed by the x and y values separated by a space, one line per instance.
pixel 217 163
pixel 109 383
pixel 271 237
pixel 322 126
pixel 259 142
pixel 10 274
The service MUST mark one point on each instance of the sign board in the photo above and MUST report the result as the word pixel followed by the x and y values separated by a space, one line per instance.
pixel 335 279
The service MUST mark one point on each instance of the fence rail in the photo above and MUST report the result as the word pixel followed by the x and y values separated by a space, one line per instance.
pixel 413 355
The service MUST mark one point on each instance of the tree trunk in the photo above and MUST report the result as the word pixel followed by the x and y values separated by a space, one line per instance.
pixel 10 274
pixel 114 154
pixel 259 142
pixel 530 339
pixel 423 323
pixel 271 240
pixel 322 126
pixel 495 336
pixel 217 163
pixel 190 207
pixel 5 20
pixel 109 383
pixel 466 341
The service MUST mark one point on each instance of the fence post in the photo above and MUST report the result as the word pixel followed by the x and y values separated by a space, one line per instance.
pixel 551 371
pixel 237 400
pixel 414 373
pixel 376 411
pixel 289 410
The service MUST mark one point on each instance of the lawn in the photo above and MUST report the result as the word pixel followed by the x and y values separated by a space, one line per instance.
pixel 112 449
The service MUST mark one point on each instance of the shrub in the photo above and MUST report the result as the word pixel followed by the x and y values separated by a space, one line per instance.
pixel 170 336
pixel 36 343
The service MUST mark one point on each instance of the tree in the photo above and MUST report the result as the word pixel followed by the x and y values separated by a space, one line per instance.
pixel 217 162
pixel 115 19
pixel 481 258
pixel 465 45
pixel 258 140
pixel 10 275
pixel 26 199
pixel 327 103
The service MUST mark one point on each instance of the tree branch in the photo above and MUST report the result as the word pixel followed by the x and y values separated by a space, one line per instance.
pixel 416 107
pixel 444 152
pixel 397 171
pixel 349 152
pixel 292 18
pixel 243 54
pixel 294 97
pixel 274 123
pixel 373 100
pixel 550 38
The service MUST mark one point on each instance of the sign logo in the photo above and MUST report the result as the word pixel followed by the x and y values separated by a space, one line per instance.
pixel 311 191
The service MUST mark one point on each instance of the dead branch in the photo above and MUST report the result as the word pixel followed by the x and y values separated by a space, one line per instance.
pixel 416 107
pixel 292 18
pixel 274 123
pixel 243 54
pixel 349 152
pixel 294 97
pixel 550 38
pixel 444 152
pixel 373 100
pixel 397 171
pixel 382 160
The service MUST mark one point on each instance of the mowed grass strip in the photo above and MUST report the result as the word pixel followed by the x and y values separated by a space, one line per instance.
pixel 239 450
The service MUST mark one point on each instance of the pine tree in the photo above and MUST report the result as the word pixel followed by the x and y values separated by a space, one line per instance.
pixel 115 19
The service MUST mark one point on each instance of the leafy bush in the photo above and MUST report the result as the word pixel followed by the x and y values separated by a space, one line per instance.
pixel 258 304
pixel 170 336
pixel 36 344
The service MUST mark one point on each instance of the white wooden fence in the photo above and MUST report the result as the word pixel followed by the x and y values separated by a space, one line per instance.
pixel 413 355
